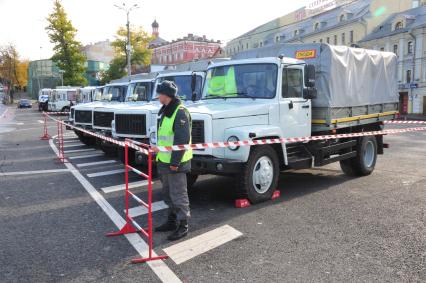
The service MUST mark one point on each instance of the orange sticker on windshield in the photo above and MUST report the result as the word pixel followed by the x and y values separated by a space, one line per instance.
pixel 306 54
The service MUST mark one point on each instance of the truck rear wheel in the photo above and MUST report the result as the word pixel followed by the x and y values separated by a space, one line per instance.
pixel 364 162
pixel 259 178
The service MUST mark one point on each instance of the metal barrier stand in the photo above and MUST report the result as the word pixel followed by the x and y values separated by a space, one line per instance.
pixel 131 225
pixel 45 135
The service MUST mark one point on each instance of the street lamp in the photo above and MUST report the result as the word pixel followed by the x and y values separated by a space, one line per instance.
pixel 127 9
pixel 61 72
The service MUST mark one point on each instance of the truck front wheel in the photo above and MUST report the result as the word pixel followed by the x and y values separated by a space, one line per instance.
pixel 259 178
pixel 364 162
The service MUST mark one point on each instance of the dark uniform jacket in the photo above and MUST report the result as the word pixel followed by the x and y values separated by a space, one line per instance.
pixel 182 131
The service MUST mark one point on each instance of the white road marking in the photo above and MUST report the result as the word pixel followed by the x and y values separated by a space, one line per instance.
pixel 11 124
pixel 105 173
pixel 72 141
pixel 40 121
pixel 142 210
pixel 95 163
pixel 79 150
pixel 160 268
pixel 86 156
pixel 122 187
pixel 188 249
pixel 4 113
pixel 34 172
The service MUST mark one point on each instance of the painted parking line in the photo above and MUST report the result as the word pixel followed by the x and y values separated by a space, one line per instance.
pixel 122 187
pixel 105 173
pixel 40 121
pixel 160 268
pixel 142 210
pixel 33 172
pixel 74 145
pixel 95 163
pixel 86 156
pixel 80 150
pixel 191 248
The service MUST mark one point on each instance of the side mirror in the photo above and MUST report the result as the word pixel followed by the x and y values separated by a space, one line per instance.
pixel 309 75
pixel 193 85
pixel 310 93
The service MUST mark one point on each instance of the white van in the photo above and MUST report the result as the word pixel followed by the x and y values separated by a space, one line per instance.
pixel 62 99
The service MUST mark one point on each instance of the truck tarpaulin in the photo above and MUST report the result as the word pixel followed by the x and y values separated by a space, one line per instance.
pixel 345 76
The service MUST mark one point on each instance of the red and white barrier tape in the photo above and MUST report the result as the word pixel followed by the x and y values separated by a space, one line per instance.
pixel 55 113
pixel 252 142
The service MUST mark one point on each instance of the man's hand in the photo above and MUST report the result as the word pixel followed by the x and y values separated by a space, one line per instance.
pixel 174 168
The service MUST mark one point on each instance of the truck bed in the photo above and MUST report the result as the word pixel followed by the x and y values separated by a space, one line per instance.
pixel 326 119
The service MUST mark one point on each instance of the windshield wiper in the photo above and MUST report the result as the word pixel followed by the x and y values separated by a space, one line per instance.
pixel 230 95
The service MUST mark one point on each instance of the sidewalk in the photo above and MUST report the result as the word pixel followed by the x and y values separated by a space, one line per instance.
pixel 418 117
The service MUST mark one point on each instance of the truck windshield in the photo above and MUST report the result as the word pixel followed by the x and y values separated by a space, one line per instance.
pixel 114 93
pixel 140 91
pixel 97 95
pixel 241 81
pixel 184 86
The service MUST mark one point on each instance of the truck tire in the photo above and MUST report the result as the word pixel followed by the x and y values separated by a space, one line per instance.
pixel 65 109
pixel 110 151
pixel 89 141
pixel 259 178
pixel 131 158
pixel 190 180
pixel 364 162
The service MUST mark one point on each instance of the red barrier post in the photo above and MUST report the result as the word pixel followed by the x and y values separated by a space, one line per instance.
pixel 45 135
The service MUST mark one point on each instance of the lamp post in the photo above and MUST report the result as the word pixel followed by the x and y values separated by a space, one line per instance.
pixel 61 72
pixel 127 9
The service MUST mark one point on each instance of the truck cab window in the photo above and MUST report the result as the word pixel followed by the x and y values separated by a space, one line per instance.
pixel 292 83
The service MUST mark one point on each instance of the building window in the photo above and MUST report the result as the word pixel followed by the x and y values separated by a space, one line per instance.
pixel 399 25
pixel 410 47
pixel 382 49
pixel 316 26
pixel 408 78
pixel 277 39
pixel 328 40
pixel 342 18
pixel 343 38
pixel 314 41
pixel 261 44
pixel 395 49
pixel 320 40
pixel 351 36
pixel 246 45
pixel 335 39
pixel 296 33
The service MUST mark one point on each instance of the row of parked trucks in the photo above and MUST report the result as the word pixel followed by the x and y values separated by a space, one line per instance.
pixel 284 91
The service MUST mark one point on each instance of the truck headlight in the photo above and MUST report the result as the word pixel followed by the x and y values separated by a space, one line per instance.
pixel 153 138
pixel 233 139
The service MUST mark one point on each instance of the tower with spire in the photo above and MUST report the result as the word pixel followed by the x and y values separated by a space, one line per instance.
pixel 155 26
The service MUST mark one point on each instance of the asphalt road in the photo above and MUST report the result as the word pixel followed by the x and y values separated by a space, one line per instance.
pixel 324 227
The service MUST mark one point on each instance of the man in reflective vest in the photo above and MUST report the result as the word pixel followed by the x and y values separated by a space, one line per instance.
pixel 174 128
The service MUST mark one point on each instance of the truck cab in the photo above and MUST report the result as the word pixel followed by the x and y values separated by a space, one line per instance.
pixel 139 122
pixel 62 99
pixel 88 96
pixel 272 98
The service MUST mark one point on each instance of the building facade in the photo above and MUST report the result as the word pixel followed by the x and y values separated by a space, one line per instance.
pixel 337 22
pixel 181 50
pixel 101 51
pixel 404 34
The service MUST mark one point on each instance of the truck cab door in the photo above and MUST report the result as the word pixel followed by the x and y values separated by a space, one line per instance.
pixel 295 111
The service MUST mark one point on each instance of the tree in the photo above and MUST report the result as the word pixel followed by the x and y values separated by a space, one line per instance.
pixel 12 69
pixel 141 54
pixel 68 55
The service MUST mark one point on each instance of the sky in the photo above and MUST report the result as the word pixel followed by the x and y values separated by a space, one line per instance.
pixel 22 22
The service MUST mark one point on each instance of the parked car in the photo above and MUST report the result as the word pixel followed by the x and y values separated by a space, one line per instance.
pixel 24 103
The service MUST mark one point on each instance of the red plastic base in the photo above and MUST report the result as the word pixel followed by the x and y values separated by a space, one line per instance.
pixel 276 194
pixel 241 203
pixel 45 137
pixel 142 260
pixel 127 229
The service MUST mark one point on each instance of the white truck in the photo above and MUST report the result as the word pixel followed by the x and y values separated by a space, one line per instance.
pixel 86 95
pixel 83 113
pixel 43 99
pixel 62 99
pixel 139 122
pixel 327 90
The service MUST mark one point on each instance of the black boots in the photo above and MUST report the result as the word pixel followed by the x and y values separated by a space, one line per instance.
pixel 180 232
pixel 169 225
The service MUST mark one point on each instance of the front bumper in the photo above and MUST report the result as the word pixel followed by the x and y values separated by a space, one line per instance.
pixel 217 166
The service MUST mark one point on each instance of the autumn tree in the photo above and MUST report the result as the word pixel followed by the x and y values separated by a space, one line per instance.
pixel 140 55
pixel 12 68
pixel 67 50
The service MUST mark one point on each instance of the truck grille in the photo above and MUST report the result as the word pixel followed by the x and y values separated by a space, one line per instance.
pixel 103 119
pixel 83 116
pixel 197 131
pixel 130 124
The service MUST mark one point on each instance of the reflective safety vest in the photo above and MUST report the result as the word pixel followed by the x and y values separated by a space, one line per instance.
pixel 223 85
pixel 166 136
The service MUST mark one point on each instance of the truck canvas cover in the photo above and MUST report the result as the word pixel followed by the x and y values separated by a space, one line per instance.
pixel 345 77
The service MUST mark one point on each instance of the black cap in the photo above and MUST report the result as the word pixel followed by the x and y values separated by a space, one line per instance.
pixel 167 88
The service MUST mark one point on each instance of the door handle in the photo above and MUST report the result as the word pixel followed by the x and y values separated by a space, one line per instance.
pixel 305 106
